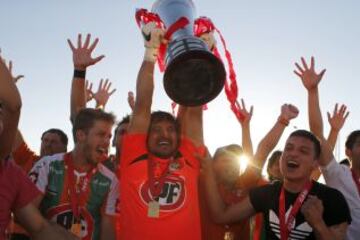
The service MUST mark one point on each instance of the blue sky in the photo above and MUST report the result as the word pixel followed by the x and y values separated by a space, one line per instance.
pixel 264 37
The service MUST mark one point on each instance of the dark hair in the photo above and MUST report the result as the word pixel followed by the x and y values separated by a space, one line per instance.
pixel 345 162
pixel 351 139
pixel 86 118
pixel 159 116
pixel 308 135
pixel 232 149
pixel 275 156
pixel 124 120
pixel 63 137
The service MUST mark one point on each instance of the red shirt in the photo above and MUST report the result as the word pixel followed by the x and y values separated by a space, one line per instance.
pixel 25 157
pixel 17 191
pixel 179 216
pixel 241 229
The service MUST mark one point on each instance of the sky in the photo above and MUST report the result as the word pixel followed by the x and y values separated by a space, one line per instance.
pixel 265 38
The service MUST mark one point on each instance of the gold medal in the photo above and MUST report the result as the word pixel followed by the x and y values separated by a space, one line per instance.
pixel 229 236
pixel 76 229
pixel 153 209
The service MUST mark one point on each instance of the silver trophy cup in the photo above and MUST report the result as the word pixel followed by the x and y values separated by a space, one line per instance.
pixel 193 75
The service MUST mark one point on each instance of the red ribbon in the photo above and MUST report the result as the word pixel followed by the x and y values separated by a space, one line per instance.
pixel 78 198
pixel 205 25
pixel 143 17
pixel 286 224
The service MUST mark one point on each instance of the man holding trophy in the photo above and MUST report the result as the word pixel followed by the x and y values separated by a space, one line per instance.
pixel 158 168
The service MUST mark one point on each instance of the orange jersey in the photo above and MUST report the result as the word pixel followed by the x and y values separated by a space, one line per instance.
pixel 179 216
pixel 25 157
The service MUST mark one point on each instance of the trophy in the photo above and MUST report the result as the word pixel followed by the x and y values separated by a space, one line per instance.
pixel 193 74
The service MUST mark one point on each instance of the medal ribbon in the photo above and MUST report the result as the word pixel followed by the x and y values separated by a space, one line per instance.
pixel 356 179
pixel 205 25
pixel 77 199
pixel 286 224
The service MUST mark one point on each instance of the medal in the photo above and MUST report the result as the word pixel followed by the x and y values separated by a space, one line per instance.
pixel 153 209
pixel 229 236
pixel 76 229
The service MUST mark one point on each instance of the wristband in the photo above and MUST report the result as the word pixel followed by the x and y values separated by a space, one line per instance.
pixel 283 120
pixel 79 73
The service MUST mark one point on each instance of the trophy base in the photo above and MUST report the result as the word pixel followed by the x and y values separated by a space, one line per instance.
pixel 194 78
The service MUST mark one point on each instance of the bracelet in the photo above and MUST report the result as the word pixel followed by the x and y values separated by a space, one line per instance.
pixel 79 73
pixel 283 120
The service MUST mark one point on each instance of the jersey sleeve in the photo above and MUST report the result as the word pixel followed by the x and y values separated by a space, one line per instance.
pixel 188 149
pixel 339 211
pixel 133 146
pixel 112 201
pixel 260 197
pixel 39 174
pixel 25 157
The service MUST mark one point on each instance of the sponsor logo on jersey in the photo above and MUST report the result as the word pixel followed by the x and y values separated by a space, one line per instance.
pixel 172 196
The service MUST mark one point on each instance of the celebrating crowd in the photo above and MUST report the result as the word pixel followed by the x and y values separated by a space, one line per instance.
pixel 162 182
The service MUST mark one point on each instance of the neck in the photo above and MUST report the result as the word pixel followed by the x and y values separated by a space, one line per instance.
pixel 355 166
pixel 295 186
pixel 79 159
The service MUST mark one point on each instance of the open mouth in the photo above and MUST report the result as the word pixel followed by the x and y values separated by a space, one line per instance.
pixel 102 151
pixel 292 164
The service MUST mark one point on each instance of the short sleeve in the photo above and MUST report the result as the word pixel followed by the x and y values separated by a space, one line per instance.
pixel 39 174
pixel 112 198
pixel 260 197
pixel 339 211
pixel 188 149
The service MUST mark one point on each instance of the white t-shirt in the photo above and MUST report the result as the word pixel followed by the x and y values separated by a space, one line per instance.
pixel 340 177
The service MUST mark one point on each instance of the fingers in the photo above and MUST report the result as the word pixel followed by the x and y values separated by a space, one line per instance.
pixel 97 59
pixel 312 64
pixel 322 73
pixel 93 45
pixel 71 45
pixel 335 109
pixel 87 41
pixel 299 68
pixel 79 41
pixel 304 63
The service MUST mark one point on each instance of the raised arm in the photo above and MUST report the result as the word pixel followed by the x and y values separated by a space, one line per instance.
pixel 140 120
pixel 103 93
pixel 336 122
pixel 220 212
pixel 311 80
pixel 10 105
pixel 81 59
pixel 245 128
pixel 271 139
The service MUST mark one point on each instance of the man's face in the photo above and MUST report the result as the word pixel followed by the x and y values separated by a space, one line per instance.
pixel 51 144
pixel 354 152
pixel 298 158
pixel 274 170
pixel 97 142
pixel 162 139
pixel 227 168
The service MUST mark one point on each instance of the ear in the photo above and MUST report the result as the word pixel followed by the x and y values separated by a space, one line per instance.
pixel 80 135
pixel 348 153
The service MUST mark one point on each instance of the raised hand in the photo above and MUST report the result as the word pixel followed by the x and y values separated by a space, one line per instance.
pixel 288 112
pixel 153 37
pixel 82 53
pixel 209 39
pixel 244 112
pixel 89 92
pixel 9 67
pixel 338 118
pixel 308 76
pixel 131 100
pixel 103 93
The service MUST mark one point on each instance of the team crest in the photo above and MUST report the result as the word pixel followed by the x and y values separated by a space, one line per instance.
pixel 172 196
pixel 63 216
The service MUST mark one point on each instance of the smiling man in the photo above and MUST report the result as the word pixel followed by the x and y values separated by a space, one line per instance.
pixel 79 192
pixel 159 173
